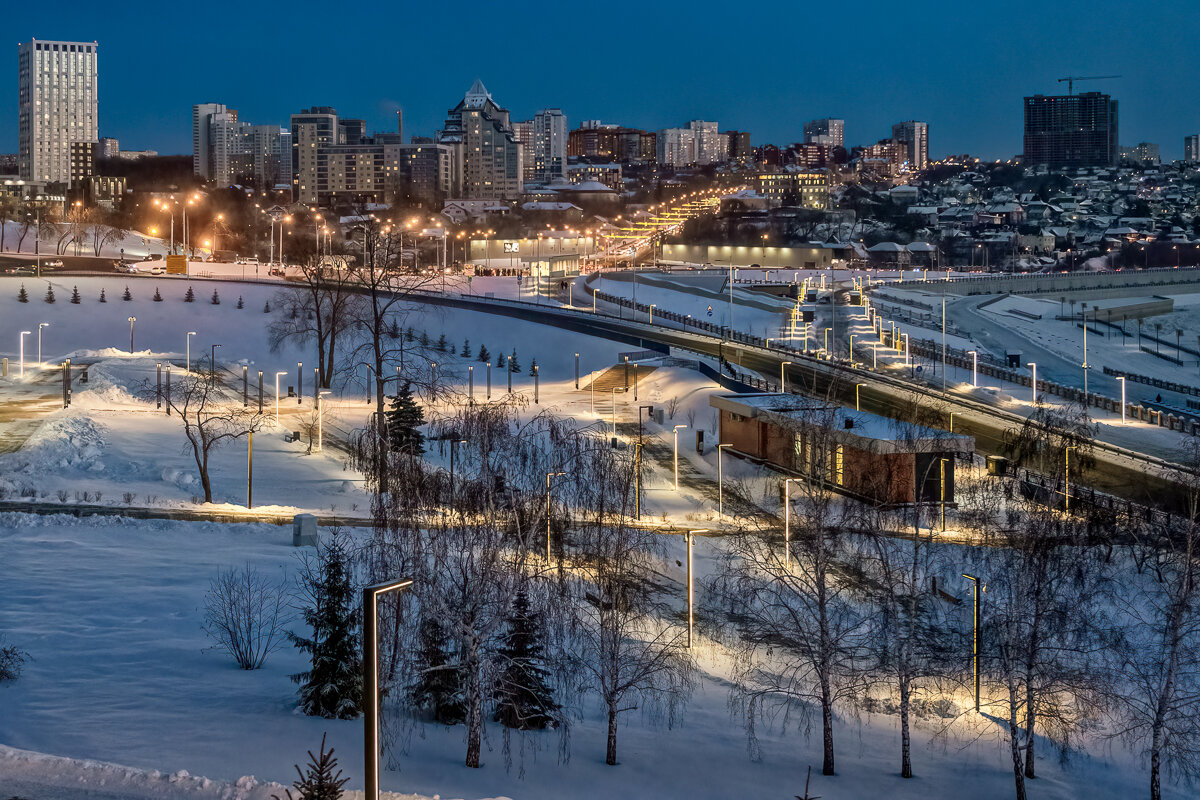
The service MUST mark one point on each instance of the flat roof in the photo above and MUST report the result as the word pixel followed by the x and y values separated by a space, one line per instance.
pixel 865 430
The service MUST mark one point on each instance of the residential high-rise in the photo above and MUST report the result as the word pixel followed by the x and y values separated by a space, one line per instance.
pixel 1078 130
pixel 1141 153
pixel 549 145
pixel 523 133
pixel 313 131
pixel 57 106
pixel 488 156
pixel 1191 148
pixel 740 151
pixel 827 131
pixel 202 114
pixel 711 146
pixel 915 138
pixel 676 147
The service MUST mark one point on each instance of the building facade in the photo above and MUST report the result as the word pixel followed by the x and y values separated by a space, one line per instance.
pixel 1191 148
pixel 1141 153
pixel 57 106
pixel 1078 130
pixel 487 154
pixel 914 136
pixel 827 131
pixel 108 147
pixel 804 189
pixel 314 130
pixel 549 145
pixel 676 147
pixel 739 148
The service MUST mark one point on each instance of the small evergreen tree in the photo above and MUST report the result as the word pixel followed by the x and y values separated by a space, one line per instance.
pixel 441 343
pixel 410 335
pixel 438 688
pixel 190 297
pixel 424 339
pixel 240 304
pixel 23 296
pixel 103 299
pixel 157 295
pixel 128 294
pixel 216 298
pixel 332 688
pixel 394 330
pixel 499 359
pixel 404 418
pixel 524 700
pixel 319 781
pixel 466 349
pixel 484 356
pixel 533 368
pixel 49 294
pixel 75 295
pixel 267 307
pixel 514 365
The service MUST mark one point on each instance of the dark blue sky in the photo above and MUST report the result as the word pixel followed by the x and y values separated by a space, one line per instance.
pixel 765 66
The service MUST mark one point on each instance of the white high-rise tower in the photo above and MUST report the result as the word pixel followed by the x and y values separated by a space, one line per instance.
pixel 57 106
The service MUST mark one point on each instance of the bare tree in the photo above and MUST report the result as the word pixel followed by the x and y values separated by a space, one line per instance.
pixel 9 210
pixel 99 229
pixel 628 653
pixel 797 632
pixel 1156 657
pixel 319 311
pixel 244 613
pixel 211 416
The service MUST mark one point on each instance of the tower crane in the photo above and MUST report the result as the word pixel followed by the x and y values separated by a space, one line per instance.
pixel 1070 79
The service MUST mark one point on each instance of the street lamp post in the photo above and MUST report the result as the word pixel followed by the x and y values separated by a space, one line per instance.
pixel 783 376
pixel 1033 366
pixel 40 326
pixel 721 483
pixel 974 368
pixel 188 367
pixel 1122 380
pixel 277 374
pixel 370 605
pixel 131 321
pixel 857 403
pixel 976 639
pixel 907 356
pixel 675 433
pixel 212 362
pixel 321 420
pixel 22 337
pixel 691 540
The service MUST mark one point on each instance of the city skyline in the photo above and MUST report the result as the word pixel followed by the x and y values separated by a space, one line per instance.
pixel 771 93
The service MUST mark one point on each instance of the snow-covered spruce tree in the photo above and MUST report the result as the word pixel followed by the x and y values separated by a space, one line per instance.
pixel 158 298
pixel 190 296
pixel 103 299
pixel 11 661
pixel 484 356
pixel 437 692
pixel 240 304
pixel 332 688
pixel 322 780
pixel 466 349
pixel 523 699
pixel 424 339
pixel 514 365
pixel 75 296
pixel 442 345
pixel 267 307
pixel 216 298
pixel 499 360
pixel 128 294
pixel 23 296
pixel 410 335
pixel 49 294
pixel 404 418
pixel 533 367
pixel 394 329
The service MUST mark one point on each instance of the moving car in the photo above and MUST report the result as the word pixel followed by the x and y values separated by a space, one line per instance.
pixel 24 269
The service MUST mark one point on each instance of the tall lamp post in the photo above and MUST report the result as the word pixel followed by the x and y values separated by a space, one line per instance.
pixel 370 604
pixel 131 321
pixel 974 368
pixel 783 376
pixel 23 335
pixel 40 326
pixel 188 367
pixel 976 639
pixel 675 433
pixel 277 374
pixel 1122 380
pixel 1033 383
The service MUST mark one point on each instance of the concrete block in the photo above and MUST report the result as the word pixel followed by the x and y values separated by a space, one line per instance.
pixel 304 530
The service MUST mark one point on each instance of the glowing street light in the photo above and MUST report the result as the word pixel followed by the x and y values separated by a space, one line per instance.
pixel 131 321
pixel 1122 380
pixel 783 376
pixel 370 605
pixel 277 374
pixel 976 639
pixel 675 433
pixel 188 369
pixel 857 404
pixel 974 368
pixel 40 326
pixel 1033 383
pixel 23 335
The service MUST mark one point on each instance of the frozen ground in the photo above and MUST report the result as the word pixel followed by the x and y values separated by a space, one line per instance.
pixel 109 611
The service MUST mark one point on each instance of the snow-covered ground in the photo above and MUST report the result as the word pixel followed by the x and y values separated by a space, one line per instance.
pixel 120 671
